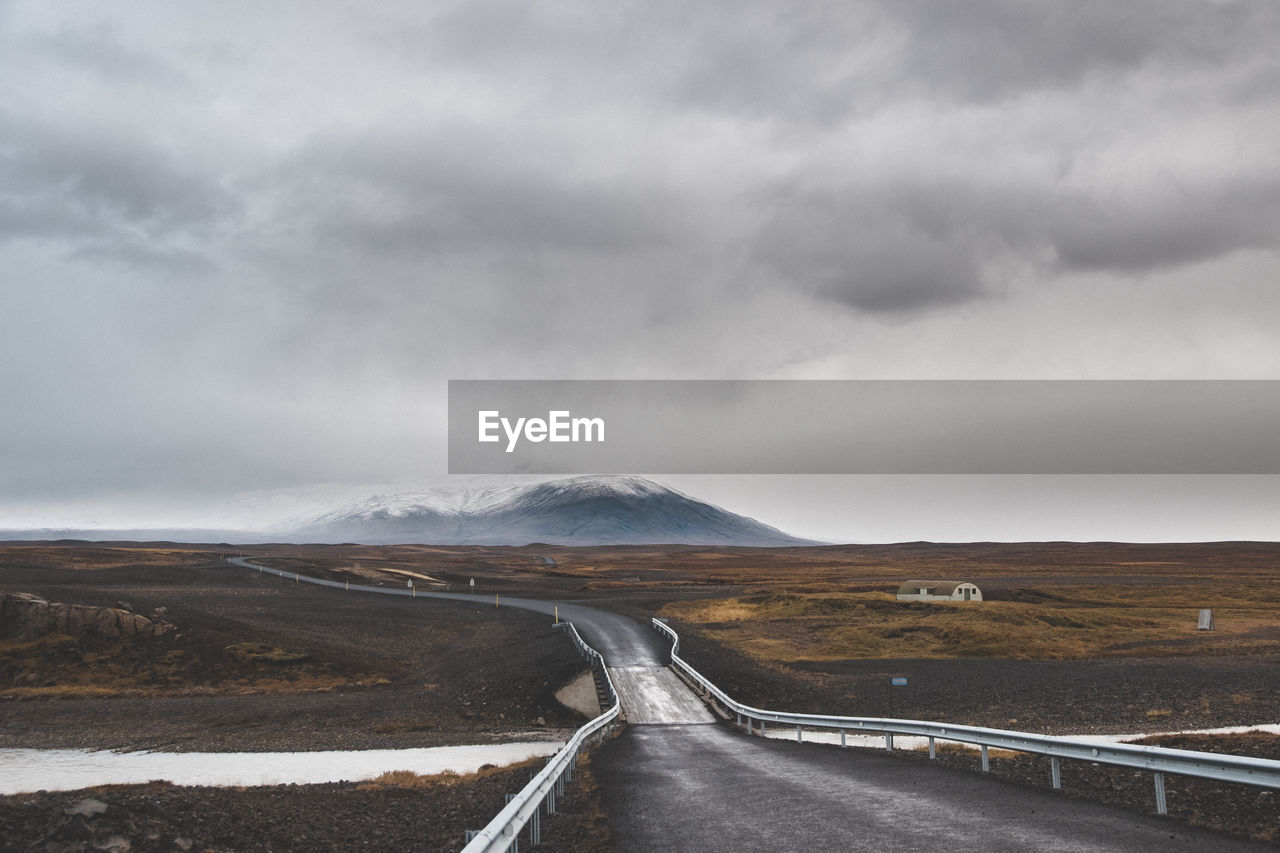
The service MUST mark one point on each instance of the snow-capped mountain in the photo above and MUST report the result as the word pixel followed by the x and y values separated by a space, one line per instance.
pixel 574 511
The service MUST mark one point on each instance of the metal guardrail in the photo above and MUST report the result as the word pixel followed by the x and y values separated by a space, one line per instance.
pixel 524 809
pixel 1159 760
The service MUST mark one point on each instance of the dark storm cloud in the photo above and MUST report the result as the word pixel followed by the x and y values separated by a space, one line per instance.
pixel 820 77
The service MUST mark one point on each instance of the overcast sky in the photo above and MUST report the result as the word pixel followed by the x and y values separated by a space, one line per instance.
pixel 243 246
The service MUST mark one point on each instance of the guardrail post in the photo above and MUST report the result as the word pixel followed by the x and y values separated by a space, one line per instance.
pixel 986 762
pixel 535 828
pixel 1161 806
pixel 508 830
pixel 933 752
pixel 799 735
pixel 888 741
pixel 1055 772
pixel 842 734
pixel 762 727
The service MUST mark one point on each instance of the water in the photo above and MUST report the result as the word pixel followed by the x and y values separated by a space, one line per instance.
pixel 25 770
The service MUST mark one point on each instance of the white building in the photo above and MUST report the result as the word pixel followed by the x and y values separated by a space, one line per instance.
pixel 939 591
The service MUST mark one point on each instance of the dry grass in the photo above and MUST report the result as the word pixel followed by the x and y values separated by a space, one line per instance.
pixel 1076 623
pixel 57 666
pixel 407 779
pixel 93 557
pixel 262 653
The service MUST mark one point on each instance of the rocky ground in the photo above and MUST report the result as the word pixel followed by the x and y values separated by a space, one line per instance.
pixel 413 814
pixel 324 671
pixel 357 672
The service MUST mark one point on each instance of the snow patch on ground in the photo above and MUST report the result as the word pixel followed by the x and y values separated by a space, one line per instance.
pixel 27 770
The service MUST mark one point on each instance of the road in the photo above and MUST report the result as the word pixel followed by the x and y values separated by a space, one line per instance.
pixel 676 780
pixel 622 641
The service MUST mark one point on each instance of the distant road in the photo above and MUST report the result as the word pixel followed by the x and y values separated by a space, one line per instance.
pixel 622 641
pixel 699 786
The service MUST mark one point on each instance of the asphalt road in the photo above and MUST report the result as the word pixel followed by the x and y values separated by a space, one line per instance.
pixel 708 788
pixel 679 786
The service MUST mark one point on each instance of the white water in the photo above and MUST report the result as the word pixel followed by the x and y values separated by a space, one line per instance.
pixel 24 770
pixel 781 731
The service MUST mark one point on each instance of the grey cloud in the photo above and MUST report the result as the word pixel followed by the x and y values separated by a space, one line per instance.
pixel 877 243
pixel 985 49
pixel 1165 229
pixel 65 181
pixel 452 189
pixel 865 251
pixel 817 63
pixel 901 247
pixel 104 51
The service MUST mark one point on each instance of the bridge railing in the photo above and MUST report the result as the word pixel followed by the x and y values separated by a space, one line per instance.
pixel 1158 760
pixel 525 808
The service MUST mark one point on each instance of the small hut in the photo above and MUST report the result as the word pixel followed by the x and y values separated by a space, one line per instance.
pixel 939 591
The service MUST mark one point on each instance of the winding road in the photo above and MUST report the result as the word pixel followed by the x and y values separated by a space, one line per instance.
pixel 676 780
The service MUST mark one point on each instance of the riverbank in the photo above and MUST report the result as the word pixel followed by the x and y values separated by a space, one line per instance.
pixel 398 812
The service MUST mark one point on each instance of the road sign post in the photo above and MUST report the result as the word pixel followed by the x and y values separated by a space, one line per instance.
pixel 895 681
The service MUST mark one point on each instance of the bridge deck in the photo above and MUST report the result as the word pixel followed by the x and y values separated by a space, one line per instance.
pixel 652 695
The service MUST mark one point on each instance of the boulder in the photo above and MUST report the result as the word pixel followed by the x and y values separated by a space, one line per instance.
pixel 88 807
pixel 24 617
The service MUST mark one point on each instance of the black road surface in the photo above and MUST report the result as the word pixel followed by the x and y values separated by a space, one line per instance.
pixel 709 788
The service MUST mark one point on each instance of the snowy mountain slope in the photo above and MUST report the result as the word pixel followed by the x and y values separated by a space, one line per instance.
pixel 574 511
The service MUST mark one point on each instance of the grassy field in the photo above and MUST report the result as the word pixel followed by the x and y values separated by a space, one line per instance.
pixel 1042 624
pixel 1046 601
